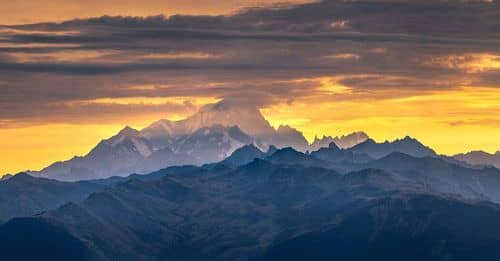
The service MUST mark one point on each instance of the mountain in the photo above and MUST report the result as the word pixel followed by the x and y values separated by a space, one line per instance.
pixel 208 136
pixel 436 175
pixel 23 195
pixel 286 136
pixel 131 152
pixel 225 113
pixel 343 160
pixel 175 217
pixel 212 135
pixel 206 145
pixel 291 157
pixel 211 144
pixel 6 177
pixel 114 156
pixel 247 154
pixel 264 210
pixel 229 113
pixel 480 158
pixel 344 142
pixel 411 228
pixel 406 145
pixel 429 174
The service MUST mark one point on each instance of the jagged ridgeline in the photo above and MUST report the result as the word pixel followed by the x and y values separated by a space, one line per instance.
pixel 225 185
pixel 208 136
pixel 375 201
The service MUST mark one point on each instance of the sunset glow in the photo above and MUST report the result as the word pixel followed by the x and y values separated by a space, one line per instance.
pixel 67 84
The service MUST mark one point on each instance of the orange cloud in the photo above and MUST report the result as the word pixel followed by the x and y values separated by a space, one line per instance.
pixel 349 56
pixel 470 63
pixel 34 11
pixel 429 116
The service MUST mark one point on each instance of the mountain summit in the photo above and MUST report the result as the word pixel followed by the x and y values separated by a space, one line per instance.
pixel 343 142
pixel 210 135
pixel 407 145
pixel 226 113
pixel 480 158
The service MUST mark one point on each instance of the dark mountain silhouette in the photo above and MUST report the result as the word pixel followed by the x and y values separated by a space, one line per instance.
pixel 406 145
pixel 6 177
pixel 291 157
pixel 36 239
pixel 235 196
pixel 429 174
pixel 343 160
pixel 23 195
pixel 410 228
pixel 260 211
pixel 247 154
pixel 436 175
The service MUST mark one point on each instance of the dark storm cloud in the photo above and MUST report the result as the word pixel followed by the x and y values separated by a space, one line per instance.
pixel 257 53
pixel 131 36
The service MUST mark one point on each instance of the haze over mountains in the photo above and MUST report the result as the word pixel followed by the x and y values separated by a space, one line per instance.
pixel 211 135
pixel 480 158
pixel 226 184
pixel 240 191
pixel 371 201
pixel 208 136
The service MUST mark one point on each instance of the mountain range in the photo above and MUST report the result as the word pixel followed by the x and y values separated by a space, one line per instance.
pixel 208 136
pixel 480 158
pixel 280 204
pixel 223 184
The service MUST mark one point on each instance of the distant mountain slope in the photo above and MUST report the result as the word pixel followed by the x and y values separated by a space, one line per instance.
pixel 160 218
pixel 27 239
pixel 344 142
pixel 114 156
pixel 343 160
pixel 292 157
pixel 406 145
pixel 428 174
pixel 185 216
pixel 480 158
pixel 260 211
pixel 247 154
pixel 208 136
pixel 130 152
pixel 212 144
pixel 226 113
pixel 408 228
pixel 23 195
pixel 436 175
pixel 6 177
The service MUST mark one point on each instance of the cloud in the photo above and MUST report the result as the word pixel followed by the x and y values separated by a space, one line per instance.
pixel 470 63
pixel 263 55
pixel 494 122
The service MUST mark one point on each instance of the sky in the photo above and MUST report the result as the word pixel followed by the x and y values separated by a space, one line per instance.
pixel 75 72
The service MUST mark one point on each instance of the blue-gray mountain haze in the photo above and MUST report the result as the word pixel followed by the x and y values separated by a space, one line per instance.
pixel 212 188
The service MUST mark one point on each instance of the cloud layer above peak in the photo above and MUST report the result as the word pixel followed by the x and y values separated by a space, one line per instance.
pixel 435 61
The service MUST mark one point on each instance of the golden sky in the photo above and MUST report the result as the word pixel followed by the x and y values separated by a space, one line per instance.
pixel 449 121
pixel 34 11
pixel 325 68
